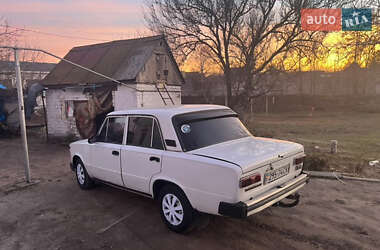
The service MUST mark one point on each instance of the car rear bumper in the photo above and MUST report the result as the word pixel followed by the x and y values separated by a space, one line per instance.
pixel 244 209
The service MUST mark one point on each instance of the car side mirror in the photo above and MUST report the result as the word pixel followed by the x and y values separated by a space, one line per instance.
pixel 92 139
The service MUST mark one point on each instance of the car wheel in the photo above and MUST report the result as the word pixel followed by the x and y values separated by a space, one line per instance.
pixel 176 210
pixel 83 178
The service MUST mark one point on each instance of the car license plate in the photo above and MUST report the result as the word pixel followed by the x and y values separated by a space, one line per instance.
pixel 276 174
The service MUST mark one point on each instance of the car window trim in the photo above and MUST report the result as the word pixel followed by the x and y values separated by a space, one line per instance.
pixel 106 121
pixel 161 135
pixel 152 136
pixel 124 135
pixel 159 128
pixel 101 128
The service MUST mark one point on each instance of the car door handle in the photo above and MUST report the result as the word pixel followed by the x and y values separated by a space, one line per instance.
pixel 115 153
pixel 153 158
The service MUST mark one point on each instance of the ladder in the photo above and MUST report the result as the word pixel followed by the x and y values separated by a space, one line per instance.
pixel 164 93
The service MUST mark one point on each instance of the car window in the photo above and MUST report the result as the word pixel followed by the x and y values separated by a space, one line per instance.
pixel 144 132
pixel 101 137
pixel 115 130
pixel 139 131
pixel 202 133
pixel 157 142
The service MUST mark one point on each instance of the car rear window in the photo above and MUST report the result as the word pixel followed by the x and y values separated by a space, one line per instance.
pixel 208 129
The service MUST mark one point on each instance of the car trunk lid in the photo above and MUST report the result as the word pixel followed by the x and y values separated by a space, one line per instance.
pixel 251 153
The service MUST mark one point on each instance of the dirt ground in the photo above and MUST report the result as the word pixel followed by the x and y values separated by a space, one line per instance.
pixel 56 214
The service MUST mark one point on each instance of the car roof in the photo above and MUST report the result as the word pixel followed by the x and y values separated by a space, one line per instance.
pixel 165 115
pixel 168 111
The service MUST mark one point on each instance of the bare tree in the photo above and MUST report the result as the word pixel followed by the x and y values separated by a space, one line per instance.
pixel 356 46
pixel 11 36
pixel 361 46
pixel 235 33
pixel 194 23
pixel 8 37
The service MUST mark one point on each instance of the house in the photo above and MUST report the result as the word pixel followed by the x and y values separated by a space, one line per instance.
pixel 78 100
pixel 30 72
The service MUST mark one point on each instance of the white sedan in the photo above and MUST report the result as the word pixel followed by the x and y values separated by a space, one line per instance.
pixel 190 158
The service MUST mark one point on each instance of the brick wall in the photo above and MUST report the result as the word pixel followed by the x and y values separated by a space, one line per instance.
pixel 152 99
pixel 58 124
pixel 125 97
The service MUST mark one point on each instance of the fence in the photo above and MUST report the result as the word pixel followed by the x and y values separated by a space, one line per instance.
pixel 301 103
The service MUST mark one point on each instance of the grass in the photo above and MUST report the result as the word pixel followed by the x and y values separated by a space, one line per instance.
pixel 358 136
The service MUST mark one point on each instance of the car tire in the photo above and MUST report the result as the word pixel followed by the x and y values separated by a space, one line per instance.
pixel 83 179
pixel 176 210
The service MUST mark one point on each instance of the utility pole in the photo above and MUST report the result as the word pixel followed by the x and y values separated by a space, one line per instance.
pixel 22 114
pixel 21 96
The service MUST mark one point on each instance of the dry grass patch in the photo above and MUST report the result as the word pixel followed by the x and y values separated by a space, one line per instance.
pixel 358 136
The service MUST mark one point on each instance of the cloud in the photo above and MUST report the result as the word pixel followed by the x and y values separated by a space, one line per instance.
pixel 72 6
pixel 94 19
pixel 70 13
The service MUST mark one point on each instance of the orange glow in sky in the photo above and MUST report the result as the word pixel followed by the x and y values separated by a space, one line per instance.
pixel 59 25
pixel 333 60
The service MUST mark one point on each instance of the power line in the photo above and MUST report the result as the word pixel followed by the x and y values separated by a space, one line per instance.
pixel 53 34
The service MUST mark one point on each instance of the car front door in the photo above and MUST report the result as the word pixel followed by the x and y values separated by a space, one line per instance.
pixel 141 157
pixel 105 151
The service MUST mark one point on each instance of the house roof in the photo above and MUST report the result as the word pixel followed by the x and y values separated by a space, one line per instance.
pixel 121 60
pixel 8 66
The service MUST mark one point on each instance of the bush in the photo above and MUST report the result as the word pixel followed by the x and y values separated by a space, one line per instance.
pixel 315 163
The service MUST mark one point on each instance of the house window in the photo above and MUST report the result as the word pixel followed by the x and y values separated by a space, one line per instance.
pixel 68 109
pixel 160 61
pixel 161 66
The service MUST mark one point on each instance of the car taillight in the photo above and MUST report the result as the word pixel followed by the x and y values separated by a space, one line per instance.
pixel 250 180
pixel 298 161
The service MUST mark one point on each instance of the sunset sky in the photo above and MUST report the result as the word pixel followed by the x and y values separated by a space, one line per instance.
pixel 83 22
pixel 59 25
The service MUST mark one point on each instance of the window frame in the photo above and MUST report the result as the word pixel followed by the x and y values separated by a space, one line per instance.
pixel 106 122
pixel 100 130
pixel 151 139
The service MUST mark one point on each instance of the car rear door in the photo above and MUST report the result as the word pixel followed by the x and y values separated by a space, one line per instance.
pixel 105 152
pixel 141 157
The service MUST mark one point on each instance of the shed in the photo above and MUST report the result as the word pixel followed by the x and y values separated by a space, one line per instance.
pixel 78 100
